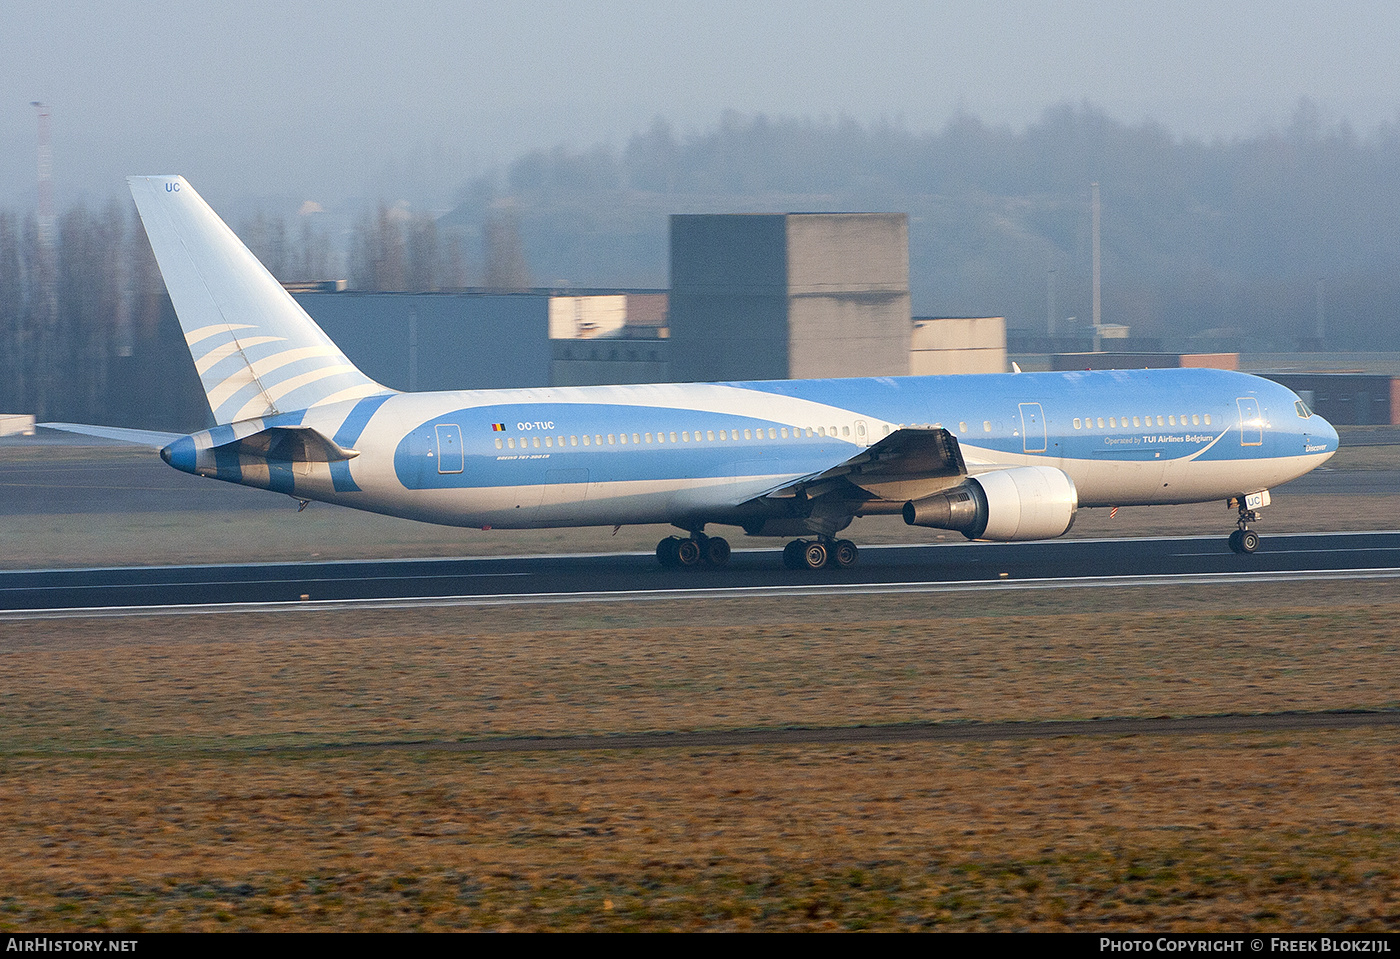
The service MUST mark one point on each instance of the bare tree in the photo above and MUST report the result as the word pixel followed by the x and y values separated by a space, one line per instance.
pixel 505 253
pixel 421 261
pixel 14 352
pixel 452 265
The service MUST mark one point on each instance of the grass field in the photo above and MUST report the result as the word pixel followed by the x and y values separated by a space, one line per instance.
pixel 314 770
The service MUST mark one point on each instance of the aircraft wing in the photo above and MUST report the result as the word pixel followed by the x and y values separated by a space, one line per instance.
pixel 910 463
pixel 152 438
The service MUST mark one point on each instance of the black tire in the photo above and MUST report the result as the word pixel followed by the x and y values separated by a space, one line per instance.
pixel 1249 541
pixel 667 552
pixel 717 551
pixel 792 554
pixel 688 552
pixel 815 555
pixel 844 554
pixel 1235 542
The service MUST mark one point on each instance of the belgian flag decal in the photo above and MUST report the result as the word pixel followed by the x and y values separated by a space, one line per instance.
pixel 498 427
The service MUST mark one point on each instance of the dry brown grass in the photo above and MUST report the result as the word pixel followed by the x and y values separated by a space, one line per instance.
pixel 1260 832
pixel 159 774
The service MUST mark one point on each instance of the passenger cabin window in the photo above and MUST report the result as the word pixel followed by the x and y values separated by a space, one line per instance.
pixel 499 444
pixel 1078 422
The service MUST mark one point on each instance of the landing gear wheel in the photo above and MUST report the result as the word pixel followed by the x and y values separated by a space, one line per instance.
pixel 688 552
pixel 792 554
pixel 844 554
pixel 668 552
pixel 815 555
pixel 716 551
pixel 1244 541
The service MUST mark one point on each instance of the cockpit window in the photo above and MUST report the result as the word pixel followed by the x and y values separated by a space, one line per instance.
pixel 1302 409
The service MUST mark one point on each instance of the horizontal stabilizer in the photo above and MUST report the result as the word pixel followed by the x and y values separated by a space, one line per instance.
pixel 152 438
pixel 299 444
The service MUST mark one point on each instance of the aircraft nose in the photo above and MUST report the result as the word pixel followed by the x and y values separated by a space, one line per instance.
pixel 1323 433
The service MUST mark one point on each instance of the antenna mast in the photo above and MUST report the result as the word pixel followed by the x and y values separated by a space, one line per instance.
pixel 46 303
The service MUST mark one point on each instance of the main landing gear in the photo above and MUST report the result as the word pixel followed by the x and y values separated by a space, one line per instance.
pixel 697 550
pixel 815 554
pixel 1244 540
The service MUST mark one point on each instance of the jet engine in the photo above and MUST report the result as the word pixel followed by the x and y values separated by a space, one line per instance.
pixel 1027 502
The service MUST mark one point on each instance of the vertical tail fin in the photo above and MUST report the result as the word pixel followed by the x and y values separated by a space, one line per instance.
pixel 256 350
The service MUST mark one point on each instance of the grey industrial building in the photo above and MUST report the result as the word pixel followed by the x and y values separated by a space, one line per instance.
pixel 439 341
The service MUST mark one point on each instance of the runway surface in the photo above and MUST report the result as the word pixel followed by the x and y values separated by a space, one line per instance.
pixel 632 576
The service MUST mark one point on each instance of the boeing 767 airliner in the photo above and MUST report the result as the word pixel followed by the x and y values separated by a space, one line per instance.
pixel 1000 457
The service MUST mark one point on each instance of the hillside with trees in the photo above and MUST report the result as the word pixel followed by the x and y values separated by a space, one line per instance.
pixel 1207 243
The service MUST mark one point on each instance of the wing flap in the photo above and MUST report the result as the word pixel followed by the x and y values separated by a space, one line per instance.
pixel 909 463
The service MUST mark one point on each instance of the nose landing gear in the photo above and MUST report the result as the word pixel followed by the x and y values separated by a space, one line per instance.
pixel 1244 540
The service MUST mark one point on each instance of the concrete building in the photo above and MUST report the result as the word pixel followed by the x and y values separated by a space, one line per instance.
pixel 608 338
pixel 796 295
pixel 947 345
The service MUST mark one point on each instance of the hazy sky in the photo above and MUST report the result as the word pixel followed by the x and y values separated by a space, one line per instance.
pixel 325 101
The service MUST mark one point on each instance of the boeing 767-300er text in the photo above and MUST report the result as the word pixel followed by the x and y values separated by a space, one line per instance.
pixel 1000 457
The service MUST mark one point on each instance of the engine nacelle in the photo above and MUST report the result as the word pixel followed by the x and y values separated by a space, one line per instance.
pixel 1026 502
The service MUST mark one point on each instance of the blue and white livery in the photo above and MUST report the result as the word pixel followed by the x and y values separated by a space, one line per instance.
pixel 1002 457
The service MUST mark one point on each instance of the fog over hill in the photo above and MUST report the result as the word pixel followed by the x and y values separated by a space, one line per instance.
pixel 1230 236
pixel 1226 244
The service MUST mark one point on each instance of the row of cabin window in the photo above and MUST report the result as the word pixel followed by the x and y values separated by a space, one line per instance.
pixel 1089 421
pixel 616 439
